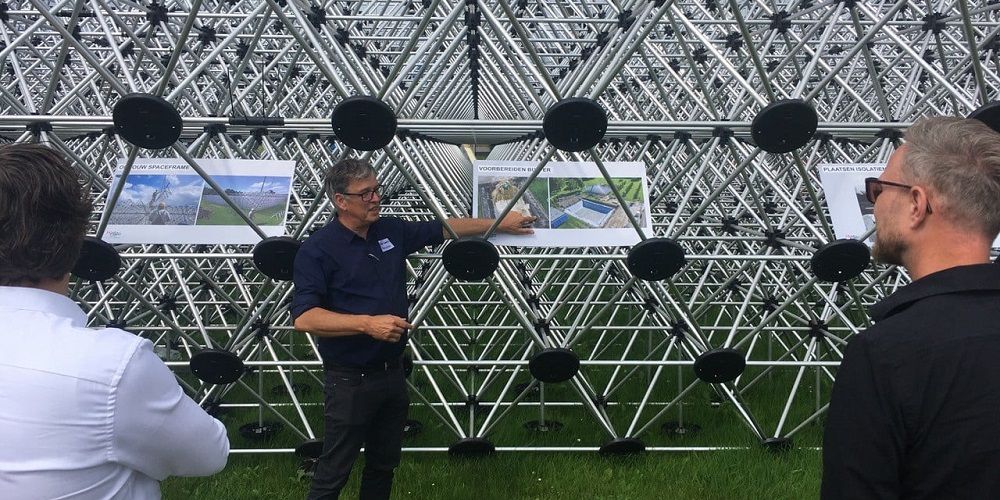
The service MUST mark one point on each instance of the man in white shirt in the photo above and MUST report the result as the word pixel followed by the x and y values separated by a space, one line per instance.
pixel 84 413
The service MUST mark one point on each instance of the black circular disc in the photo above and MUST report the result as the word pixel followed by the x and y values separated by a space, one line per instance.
pixel 98 260
pixel 471 259
pixel 260 431
pixel 363 122
pixel 311 448
pixel 471 447
pixel 720 365
pixel 623 446
pixel 412 427
pixel 655 259
pixel 216 366
pixel 554 365
pixel 784 126
pixel 989 114
pixel 148 121
pixel 777 444
pixel 575 124
pixel 275 256
pixel 840 260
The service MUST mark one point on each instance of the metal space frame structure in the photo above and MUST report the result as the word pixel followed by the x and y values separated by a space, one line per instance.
pixel 681 82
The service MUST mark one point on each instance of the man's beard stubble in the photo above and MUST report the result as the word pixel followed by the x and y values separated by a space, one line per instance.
pixel 888 247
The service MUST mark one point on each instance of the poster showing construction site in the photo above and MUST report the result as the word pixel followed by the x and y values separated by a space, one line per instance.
pixel 574 204
pixel 164 201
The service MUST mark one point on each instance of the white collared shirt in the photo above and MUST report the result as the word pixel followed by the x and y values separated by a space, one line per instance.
pixel 91 413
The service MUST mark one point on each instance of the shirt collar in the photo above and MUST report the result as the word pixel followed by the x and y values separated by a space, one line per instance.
pixel 346 234
pixel 951 280
pixel 35 299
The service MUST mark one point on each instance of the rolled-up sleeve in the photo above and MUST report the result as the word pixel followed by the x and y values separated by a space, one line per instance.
pixel 417 235
pixel 309 276
pixel 157 429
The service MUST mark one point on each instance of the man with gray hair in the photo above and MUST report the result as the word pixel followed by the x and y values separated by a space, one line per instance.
pixel 350 292
pixel 915 410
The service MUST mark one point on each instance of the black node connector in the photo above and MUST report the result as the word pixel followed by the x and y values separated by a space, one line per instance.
pixel 700 55
pixel 167 303
pixel 723 133
pixel 770 304
pixel 261 329
pixel 214 129
pixel 542 328
pixel 602 39
pixel 156 13
pixel 771 238
pixel 934 22
pixel 4 8
pixel 259 133
pixel 771 66
pixel 342 36
pixel 678 329
pixel 39 127
pixel 891 134
pixel 650 304
pixel 816 327
pixel 317 16
pixel 626 19
pixel 729 225
pixel 780 21
pixel 734 41
pixel 206 35
pixel 534 301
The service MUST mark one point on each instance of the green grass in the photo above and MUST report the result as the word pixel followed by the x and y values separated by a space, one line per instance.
pixel 540 189
pixel 224 215
pixel 724 475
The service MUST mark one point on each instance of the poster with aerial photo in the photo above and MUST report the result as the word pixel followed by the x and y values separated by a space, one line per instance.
pixel 851 212
pixel 165 201
pixel 574 204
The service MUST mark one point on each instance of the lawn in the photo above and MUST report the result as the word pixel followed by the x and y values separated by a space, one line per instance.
pixel 214 214
pixel 750 473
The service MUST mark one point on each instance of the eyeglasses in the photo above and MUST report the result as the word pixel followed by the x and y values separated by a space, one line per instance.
pixel 368 195
pixel 873 188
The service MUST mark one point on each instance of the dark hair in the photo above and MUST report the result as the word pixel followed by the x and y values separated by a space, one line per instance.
pixel 340 175
pixel 44 211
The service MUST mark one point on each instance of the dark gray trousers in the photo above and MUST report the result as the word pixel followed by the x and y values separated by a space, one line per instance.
pixel 362 408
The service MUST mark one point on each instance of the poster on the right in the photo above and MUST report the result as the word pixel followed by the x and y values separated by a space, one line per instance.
pixel 844 186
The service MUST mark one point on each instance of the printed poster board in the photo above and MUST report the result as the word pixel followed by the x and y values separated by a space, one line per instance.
pixel 165 201
pixel 574 204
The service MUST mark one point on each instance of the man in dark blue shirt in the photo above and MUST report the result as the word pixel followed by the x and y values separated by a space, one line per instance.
pixel 350 291
pixel 915 409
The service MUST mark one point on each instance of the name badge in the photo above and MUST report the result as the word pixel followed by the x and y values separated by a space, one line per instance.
pixel 386 245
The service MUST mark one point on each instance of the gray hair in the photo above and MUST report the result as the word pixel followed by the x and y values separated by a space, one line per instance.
pixel 960 160
pixel 340 175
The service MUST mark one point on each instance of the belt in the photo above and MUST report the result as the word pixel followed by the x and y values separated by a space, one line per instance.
pixel 383 366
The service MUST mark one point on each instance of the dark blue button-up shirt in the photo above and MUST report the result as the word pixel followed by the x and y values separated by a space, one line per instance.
pixel 342 272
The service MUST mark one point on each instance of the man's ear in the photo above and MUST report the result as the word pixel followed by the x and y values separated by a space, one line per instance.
pixel 920 206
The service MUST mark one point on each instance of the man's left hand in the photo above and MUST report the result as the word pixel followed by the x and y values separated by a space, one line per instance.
pixel 517 223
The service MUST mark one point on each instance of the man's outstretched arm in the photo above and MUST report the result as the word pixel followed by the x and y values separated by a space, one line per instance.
pixel 513 223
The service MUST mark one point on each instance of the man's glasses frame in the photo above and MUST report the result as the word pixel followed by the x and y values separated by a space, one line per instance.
pixel 368 195
pixel 873 188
